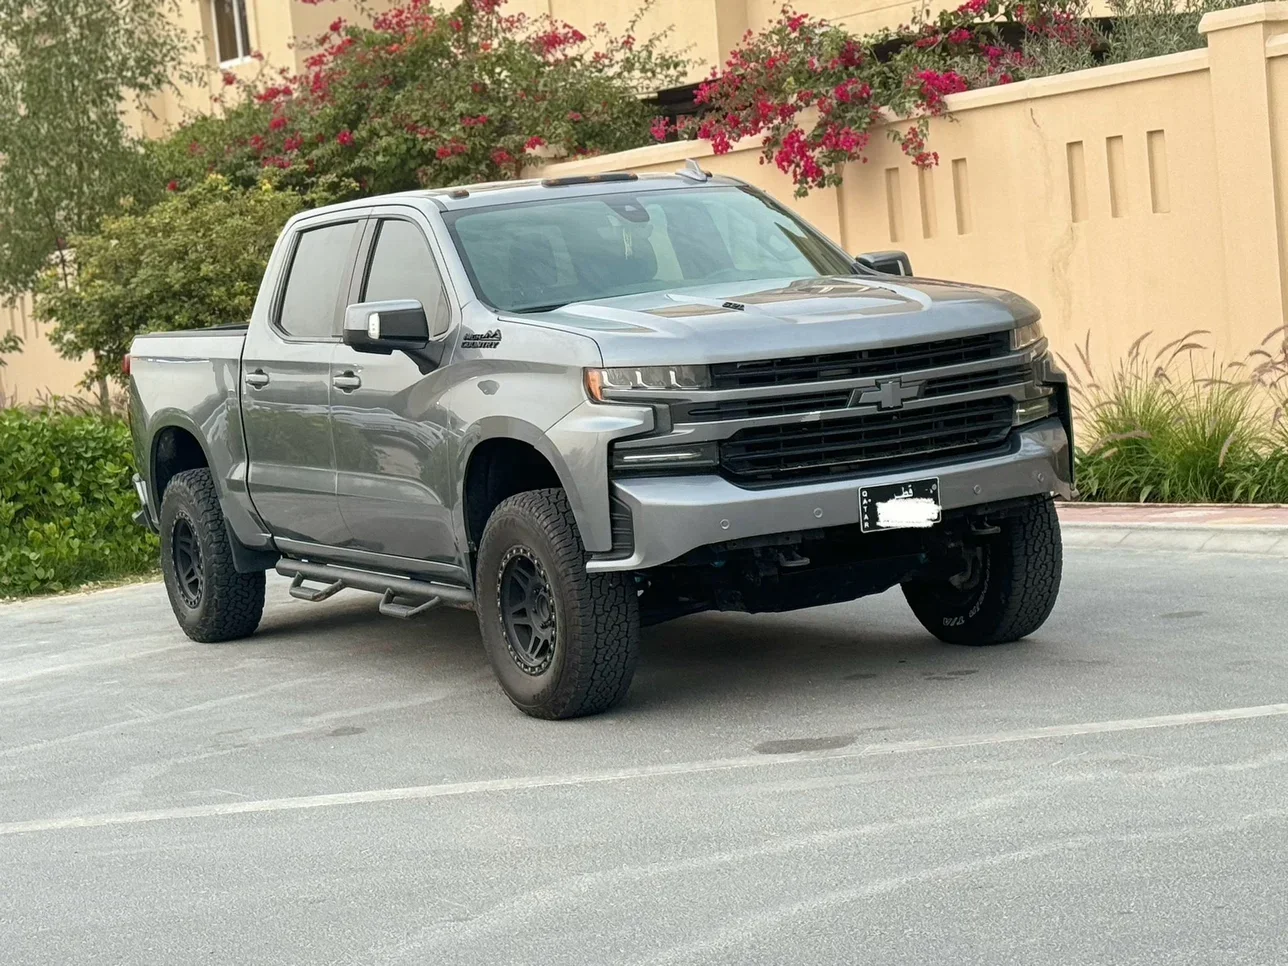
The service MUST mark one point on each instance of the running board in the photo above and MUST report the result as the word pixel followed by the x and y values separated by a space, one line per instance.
pixel 401 597
pixel 390 606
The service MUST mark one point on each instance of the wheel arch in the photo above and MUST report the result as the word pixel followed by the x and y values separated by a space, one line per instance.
pixel 176 445
pixel 502 456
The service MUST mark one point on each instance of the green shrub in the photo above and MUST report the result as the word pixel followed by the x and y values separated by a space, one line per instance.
pixel 430 93
pixel 193 260
pixel 1152 28
pixel 1174 427
pixel 1266 481
pixel 66 503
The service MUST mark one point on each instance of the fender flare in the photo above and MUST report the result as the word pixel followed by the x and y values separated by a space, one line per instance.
pixel 174 419
pixel 248 557
pixel 511 427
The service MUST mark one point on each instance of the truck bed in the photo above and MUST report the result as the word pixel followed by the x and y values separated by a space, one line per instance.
pixel 191 380
pixel 219 344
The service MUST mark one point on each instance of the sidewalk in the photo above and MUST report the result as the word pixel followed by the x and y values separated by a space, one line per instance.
pixel 1258 530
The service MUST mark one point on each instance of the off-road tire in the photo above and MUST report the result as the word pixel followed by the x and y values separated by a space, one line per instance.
pixel 228 605
pixel 595 615
pixel 1018 587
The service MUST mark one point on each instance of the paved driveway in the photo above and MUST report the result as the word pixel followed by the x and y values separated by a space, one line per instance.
pixel 826 787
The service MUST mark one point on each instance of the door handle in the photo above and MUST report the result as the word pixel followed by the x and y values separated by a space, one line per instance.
pixel 347 382
pixel 257 379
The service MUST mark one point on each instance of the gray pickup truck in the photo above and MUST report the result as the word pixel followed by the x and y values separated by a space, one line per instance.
pixel 583 405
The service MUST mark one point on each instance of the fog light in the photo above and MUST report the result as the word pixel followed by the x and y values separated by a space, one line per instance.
pixel 692 456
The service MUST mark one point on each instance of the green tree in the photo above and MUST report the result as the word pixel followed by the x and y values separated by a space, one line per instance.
pixel 69 69
pixel 430 95
pixel 194 260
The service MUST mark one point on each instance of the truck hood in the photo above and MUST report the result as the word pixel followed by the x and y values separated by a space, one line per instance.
pixel 770 319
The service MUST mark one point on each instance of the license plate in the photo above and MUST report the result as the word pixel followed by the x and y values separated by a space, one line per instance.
pixel 899 506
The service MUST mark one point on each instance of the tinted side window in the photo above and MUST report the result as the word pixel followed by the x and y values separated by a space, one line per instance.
pixel 313 285
pixel 403 267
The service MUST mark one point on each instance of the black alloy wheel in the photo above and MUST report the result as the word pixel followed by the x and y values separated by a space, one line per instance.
pixel 529 619
pixel 185 550
pixel 211 599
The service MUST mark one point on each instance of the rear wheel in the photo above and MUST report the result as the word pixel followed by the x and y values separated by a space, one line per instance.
pixel 563 642
pixel 1007 589
pixel 210 599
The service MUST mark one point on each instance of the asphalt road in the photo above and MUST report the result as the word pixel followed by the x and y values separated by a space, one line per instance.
pixel 825 787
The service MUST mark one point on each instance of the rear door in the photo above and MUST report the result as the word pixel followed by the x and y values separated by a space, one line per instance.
pixel 393 436
pixel 286 386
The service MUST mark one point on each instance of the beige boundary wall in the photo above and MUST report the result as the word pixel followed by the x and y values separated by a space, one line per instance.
pixel 1150 196
pixel 37 370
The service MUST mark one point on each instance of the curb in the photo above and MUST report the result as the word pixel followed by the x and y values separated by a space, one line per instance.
pixel 1259 541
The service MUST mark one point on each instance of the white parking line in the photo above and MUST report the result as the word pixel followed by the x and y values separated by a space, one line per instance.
pixel 453 789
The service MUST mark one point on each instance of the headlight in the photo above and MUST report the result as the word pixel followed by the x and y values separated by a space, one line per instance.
pixel 1026 335
pixel 601 381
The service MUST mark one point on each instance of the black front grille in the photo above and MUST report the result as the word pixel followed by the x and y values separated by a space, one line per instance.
pixel 974 381
pixel 865 362
pixel 840 398
pixel 760 408
pixel 819 449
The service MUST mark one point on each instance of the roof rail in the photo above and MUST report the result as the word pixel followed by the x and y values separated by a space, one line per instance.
pixel 589 179
pixel 693 171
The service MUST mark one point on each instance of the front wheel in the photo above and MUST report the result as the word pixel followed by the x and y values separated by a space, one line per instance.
pixel 1007 589
pixel 563 642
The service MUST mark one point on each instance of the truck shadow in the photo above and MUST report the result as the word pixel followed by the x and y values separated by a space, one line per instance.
pixel 832 653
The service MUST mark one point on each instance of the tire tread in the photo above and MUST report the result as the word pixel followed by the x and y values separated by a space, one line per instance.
pixel 235 601
pixel 1026 566
pixel 601 613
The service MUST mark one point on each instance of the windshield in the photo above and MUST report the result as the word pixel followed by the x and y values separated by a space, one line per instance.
pixel 541 255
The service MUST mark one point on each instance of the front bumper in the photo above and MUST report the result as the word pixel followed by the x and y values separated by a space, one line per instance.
pixel 676 514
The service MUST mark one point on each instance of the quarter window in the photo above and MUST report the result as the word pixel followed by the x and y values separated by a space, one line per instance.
pixel 403 267
pixel 232 30
pixel 310 305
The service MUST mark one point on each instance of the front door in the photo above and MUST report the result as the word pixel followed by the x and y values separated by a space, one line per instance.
pixel 393 438
pixel 286 388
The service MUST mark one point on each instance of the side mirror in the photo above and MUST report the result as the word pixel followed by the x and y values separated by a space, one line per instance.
pixel 887 263
pixel 385 326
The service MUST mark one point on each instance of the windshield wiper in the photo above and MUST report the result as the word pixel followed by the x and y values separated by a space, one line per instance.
pixel 541 308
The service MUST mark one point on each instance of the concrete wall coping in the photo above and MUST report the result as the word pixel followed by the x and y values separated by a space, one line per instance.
pixel 1243 16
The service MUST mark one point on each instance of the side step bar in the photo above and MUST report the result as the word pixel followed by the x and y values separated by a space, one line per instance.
pixel 400 596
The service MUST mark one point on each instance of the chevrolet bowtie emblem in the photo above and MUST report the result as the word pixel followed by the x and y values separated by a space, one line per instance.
pixel 888 394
